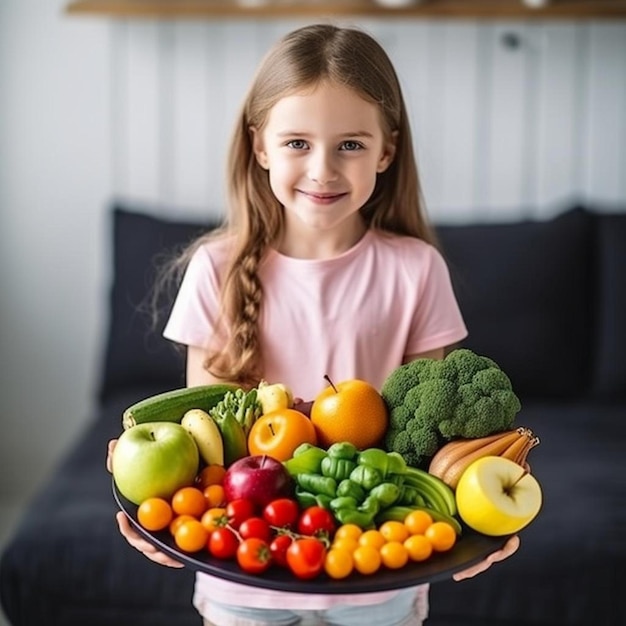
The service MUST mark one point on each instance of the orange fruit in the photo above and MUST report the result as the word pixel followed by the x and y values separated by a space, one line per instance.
pixel 191 536
pixel 155 514
pixel 279 433
pixel 441 536
pixel 189 501
pixel 352 410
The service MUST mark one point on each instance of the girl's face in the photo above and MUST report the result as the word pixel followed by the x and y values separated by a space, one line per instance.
pixel 323 149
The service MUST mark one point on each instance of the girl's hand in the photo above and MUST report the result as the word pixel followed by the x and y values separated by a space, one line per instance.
pixel 139 543
pixel 509 548
pixel 132 536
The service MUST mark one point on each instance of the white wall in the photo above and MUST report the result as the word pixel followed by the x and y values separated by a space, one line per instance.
pixel 92 109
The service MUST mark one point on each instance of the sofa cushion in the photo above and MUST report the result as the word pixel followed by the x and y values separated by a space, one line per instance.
pixel 135 350
pixel 610 370
pixel 525 292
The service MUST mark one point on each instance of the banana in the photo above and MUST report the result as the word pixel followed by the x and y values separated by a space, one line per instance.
pixel 457 449
pixel 516 451
pixel 437 494
pixel 519 450
pixel 205 432
pixel 398 513
pixel 274 397
pixel 451 473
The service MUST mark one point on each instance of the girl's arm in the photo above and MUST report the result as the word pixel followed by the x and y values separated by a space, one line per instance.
pixel 196 373
pixel 439 353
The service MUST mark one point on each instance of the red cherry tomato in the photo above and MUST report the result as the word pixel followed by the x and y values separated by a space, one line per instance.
pixel 278 549
pixel 316 521
pixel 253 555
pixel 282 512
pixel 255 527
pixel 305 557
pixel 223 543
pixel 239 510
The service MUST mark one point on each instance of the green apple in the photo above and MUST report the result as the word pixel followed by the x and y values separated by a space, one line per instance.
pixel 154 459
pixel 496 496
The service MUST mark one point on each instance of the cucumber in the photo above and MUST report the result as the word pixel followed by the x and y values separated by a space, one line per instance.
pixel 170 406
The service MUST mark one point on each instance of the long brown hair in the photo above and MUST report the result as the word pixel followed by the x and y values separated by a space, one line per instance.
pixel 302 59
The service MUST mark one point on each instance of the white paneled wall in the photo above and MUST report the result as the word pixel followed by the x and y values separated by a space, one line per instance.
pixel 509 118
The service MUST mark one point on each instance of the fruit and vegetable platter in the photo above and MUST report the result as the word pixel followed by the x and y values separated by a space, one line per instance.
pixel 365 490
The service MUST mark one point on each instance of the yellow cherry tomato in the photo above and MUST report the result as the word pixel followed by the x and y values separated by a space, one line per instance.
pixel 394 531
pixel 367 559
pixel 348 530
pixel 338 563
pixel 345 543
pixel 418 547
pixel 394 555
pixel 372 538
pixel 441 536
pixel 418 521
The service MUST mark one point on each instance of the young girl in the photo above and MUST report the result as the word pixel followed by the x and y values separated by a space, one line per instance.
pixel 327 265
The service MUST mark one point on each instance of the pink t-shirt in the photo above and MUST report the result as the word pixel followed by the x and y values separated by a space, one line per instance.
pixel 354 316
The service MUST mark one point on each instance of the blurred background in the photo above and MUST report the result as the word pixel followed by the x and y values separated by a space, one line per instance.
pixel 511 118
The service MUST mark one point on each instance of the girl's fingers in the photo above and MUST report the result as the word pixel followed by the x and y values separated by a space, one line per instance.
pixel 509 548
pixel 143 546
pixel 110 449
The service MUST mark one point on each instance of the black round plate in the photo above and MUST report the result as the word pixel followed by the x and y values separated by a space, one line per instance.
pixel 471 547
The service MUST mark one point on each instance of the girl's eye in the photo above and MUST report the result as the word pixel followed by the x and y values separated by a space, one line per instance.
pixel 351 146
pixel 297 144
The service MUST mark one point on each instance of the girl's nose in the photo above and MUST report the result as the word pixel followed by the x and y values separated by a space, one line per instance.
pixel 322 168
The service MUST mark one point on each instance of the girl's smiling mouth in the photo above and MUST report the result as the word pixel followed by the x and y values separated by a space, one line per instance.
pixel 322 198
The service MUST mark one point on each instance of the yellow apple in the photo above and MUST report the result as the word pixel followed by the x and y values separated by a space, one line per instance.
pixel 495 496
pixel 273 397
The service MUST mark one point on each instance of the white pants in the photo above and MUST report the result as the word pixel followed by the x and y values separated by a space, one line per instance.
pixel 407 608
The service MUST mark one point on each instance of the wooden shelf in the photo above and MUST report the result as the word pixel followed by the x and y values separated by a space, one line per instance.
pixel 275 9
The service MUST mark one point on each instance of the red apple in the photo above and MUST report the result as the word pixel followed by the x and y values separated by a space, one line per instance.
pixel 259 478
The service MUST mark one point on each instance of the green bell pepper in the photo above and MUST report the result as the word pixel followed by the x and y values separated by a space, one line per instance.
pixel 305 499
pixel 384 462
pixel 317 484
pixel 366 476
pixel 343 450
pixel 348 487
pixel 306 459
pixel 337 468
pixel 386 494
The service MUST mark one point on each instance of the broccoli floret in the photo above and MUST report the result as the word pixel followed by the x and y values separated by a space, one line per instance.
pixel 431 402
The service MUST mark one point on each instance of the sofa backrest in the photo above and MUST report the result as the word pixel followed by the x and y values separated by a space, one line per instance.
pixel 545 299
pixel 135 352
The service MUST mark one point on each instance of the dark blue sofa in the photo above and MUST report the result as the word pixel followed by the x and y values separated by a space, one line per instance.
pixel 546 300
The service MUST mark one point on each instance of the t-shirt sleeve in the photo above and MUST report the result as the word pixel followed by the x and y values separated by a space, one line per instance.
pixel 194 316
pixel 437 320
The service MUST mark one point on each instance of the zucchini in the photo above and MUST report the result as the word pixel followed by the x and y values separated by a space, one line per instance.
pixel 170 406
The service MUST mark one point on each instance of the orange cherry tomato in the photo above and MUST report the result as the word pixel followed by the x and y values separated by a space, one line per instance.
pixel 155 514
